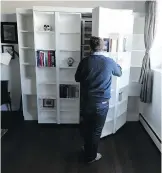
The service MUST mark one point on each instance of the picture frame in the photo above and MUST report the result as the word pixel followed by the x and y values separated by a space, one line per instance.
pixel 48 103
pixel 9 49
pixel 9 32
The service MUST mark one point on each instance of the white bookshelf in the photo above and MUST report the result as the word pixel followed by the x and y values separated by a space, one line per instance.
pixel 117 113
pixel 27 63
pixel 44 82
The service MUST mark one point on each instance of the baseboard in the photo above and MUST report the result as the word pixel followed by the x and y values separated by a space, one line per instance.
pixel 151 132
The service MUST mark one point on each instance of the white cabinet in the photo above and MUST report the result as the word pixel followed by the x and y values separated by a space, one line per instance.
pixel 118 27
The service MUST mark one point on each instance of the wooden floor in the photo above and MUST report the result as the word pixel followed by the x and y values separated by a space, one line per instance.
pixel 31 148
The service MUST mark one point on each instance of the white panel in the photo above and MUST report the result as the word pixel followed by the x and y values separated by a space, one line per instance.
pixel 68 104
pixel 28 86
pixel 25 22
pixel 28 72
pixel 139 23
pixel 121 120
pixel 135 74
pixel 69 23
pixel 44 41
pixel 69 117
pixel 125 57
pixel 107 129
pixel 67 75
pixel 121 108
pixel 46 89
pixel 30 114
pixel 27 56
pixel 123 94
pixel 70 42
pixel 110 114
pixel 46 75
pixel 138 42
pixel 47 117
pixel 137 58
pixel 134 89
pixel 112 99
pixel 26 39
pixel 124 79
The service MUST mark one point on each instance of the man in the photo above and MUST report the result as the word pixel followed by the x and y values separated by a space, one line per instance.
pixel 95 76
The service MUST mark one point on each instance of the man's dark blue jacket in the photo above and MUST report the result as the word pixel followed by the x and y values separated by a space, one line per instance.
pixel 95 76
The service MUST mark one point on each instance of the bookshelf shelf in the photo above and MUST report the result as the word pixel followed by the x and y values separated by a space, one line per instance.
pixel 26 47
pixel 26 63
pixel 26 31
pixel 67 67
pixel 45 32
pixel 69 50
pixel 70 33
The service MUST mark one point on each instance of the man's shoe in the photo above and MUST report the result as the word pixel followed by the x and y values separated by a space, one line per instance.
pixel 98 157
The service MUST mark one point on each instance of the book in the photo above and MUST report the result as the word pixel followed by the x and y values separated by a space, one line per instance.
pixel 114 45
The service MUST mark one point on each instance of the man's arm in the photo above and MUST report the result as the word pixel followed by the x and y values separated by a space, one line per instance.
pixel 116 69
pixel 78 74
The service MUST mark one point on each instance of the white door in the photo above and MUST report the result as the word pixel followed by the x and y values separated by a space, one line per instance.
pixel 117 26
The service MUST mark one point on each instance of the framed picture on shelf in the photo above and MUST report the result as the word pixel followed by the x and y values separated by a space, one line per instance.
pixel 48 103
pixel 9 49
pixel 9 32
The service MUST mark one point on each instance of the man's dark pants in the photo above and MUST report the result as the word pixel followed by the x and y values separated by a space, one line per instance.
pixel 94 116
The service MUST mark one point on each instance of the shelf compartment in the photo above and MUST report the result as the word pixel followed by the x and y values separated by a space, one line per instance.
pixel 25 21
pixel 30 102
pixel 67 75
pixel 28 86
pixel 45 32
pixel 47 117
pixel 44 41
pixel 28 72
pixel 122 107
pixel 124 79
pixel 46 75
pixel 49 89
pixel 27 56
pixel 69 104
pixel 44 18
pixel 26 39
pixel 69 117
pixel 70 42
pixel 69 91
pixel 63 58
pixel 69 23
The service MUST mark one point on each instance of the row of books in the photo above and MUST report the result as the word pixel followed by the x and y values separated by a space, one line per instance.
pixel 69 91
pixel 46 58
pixel 114 45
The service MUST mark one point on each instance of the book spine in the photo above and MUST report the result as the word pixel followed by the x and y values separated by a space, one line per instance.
pixel 49 63
pixel 108 42
pixel 38 62
pixel 41 58
pixel 110 45
pixel 52 59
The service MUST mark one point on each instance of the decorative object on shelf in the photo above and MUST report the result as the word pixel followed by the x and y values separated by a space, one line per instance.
pixel 47 28
pixel 47 103
pixel 9 32
pixel 70 61
pixel 46 58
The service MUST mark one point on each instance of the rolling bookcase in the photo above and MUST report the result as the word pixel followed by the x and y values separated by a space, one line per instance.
pixel 48 37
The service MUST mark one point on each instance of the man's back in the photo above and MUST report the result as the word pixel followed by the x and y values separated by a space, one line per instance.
pixel 95 75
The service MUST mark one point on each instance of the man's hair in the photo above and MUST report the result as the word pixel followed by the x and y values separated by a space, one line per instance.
pixel 96 44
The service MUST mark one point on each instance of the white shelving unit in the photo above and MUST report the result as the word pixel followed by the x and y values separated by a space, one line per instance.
pixel 117 113
pixel 27 63
pixel 43 86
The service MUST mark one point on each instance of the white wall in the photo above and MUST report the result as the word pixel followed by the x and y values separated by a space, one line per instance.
pixel 14 70
pixel 153 112
pixel 10 6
